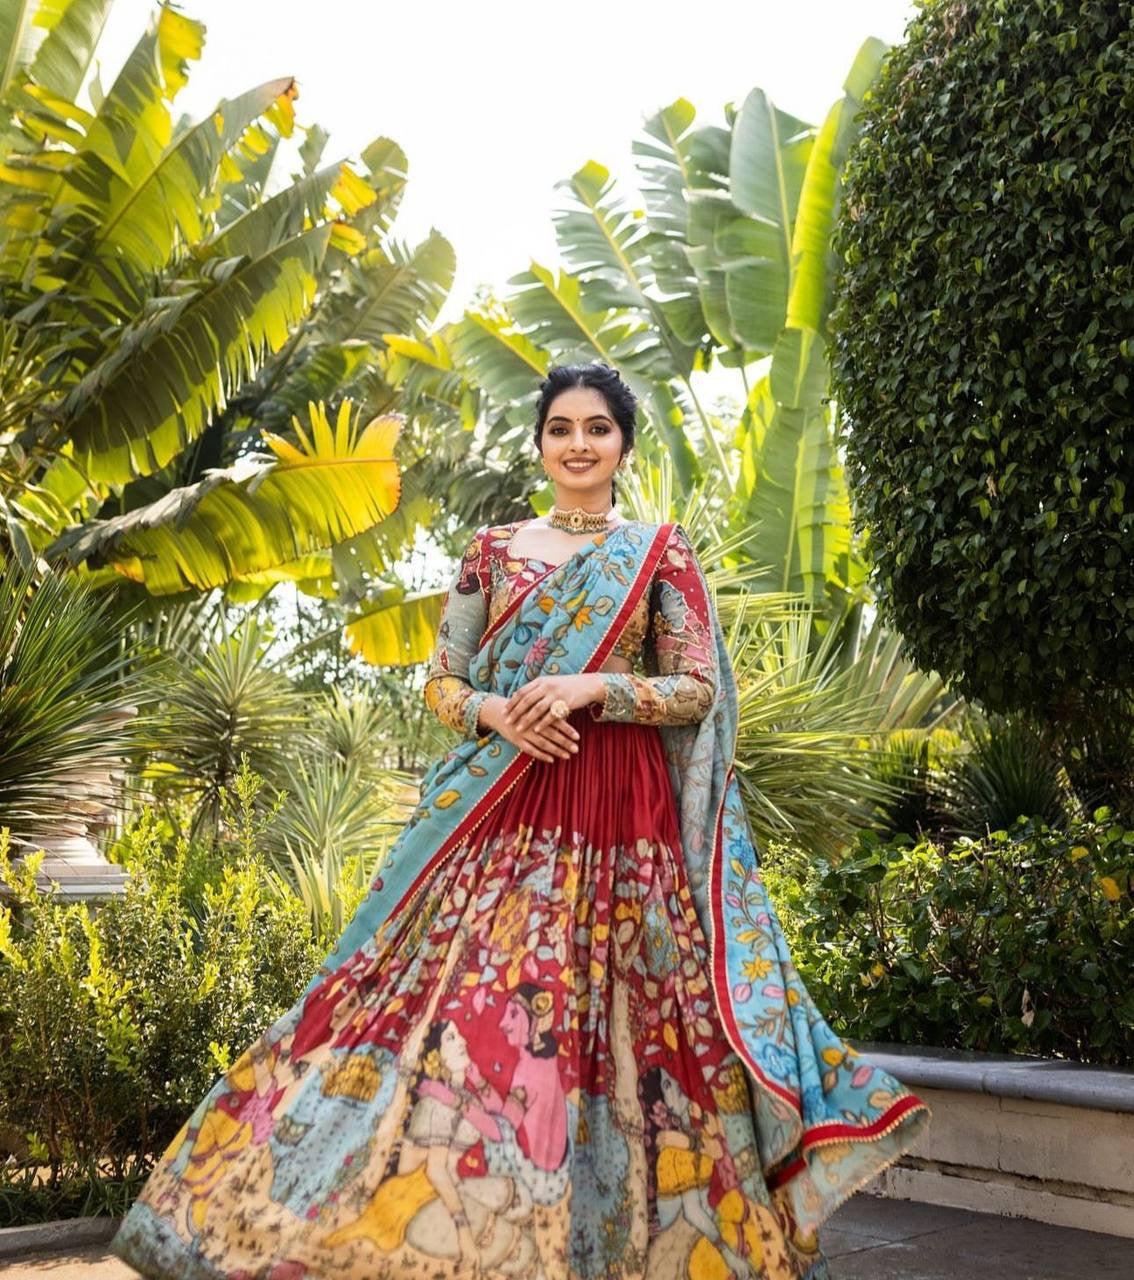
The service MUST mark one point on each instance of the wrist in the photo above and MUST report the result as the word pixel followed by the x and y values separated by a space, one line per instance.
pixel 596 689
pixel 471 713
pixel 490 712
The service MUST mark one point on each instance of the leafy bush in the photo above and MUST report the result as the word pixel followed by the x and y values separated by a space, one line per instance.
pixel 1007 772
pixel 980 776
pixel 1020 942
pixel 116 1021
pixel 983 351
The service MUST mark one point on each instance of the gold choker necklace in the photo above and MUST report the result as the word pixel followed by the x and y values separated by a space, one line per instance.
pixel 578 519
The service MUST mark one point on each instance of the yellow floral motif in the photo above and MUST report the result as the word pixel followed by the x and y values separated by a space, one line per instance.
pixel 757 968
pixel 446 798
pixel 628 911
pixel 583 618
pixel 356 1076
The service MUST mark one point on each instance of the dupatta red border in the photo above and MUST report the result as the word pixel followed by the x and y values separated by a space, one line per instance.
pixel 516 768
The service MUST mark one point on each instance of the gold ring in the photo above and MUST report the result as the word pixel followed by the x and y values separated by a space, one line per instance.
pixel 559 709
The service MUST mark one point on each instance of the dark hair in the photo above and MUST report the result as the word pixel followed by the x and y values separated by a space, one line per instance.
pixel 432 1043
pixel 541 1044
pixel 620 400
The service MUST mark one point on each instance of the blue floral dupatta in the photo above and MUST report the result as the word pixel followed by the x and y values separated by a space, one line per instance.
pixel 827 1120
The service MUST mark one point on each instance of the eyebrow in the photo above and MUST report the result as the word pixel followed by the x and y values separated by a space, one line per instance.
pixel 594 417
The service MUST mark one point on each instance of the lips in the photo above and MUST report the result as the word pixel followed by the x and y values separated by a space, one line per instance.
pixel 579 466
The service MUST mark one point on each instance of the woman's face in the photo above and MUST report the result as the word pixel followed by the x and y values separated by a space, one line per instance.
pixel 453 1050
pixel 581 444
pixel 515 1024
pixel 671 1093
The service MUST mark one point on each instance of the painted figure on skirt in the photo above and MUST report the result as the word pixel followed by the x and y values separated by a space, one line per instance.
pixel 562 1037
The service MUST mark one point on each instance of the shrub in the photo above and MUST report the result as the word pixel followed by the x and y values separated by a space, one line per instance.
pixel 1020 942
pixel 982 347
pixel 116 1021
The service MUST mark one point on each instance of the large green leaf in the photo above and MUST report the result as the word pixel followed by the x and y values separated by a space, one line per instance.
pixel 124 139
pixel 137 409
pixel 501 358
pixel 284 215
pixel 669 161
pixel 397 630
pixel 16 40
pixel 390 289
pixel 740 239
pixel 259 513
pixel 800 498
pixel 814 261
pixel 137 218
pixel 611 249
pixel 65 53
pixel 769 154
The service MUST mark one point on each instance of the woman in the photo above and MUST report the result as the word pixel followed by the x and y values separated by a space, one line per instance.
pixel 576 894
pixel 426 1196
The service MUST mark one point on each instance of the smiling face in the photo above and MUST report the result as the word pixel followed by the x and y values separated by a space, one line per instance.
pixel 581 444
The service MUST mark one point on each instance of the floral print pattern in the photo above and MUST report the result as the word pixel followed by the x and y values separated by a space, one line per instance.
pixel 562 1037
pixel 668 634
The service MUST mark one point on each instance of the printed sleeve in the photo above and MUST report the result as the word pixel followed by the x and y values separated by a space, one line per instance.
pixel 681 635
pixel 464 611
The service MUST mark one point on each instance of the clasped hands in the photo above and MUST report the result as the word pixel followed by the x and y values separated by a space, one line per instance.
pixel 525 718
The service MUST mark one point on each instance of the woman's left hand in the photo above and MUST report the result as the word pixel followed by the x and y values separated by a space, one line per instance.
pixel 530 704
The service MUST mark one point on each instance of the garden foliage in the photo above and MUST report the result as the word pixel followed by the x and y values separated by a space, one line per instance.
pixel 117 1020
pixel 1020 942
pixel 984 346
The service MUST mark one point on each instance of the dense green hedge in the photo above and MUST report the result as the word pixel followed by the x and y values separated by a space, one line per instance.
pixel 983 345
pixel 1022 942
pixel 116 1021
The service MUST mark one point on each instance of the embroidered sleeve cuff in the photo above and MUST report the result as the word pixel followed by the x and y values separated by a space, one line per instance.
pixel 620 700
pixel 471 711
pixel 672 699
pixel 447 696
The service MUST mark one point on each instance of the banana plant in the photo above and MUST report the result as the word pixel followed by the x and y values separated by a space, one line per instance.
pixel 262 513
pixel 722 259
pixel 162 309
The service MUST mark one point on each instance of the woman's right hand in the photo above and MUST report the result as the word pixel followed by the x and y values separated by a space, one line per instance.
pixel 555 740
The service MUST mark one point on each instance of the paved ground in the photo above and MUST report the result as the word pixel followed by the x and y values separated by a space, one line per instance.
pixel 871 1238
pixel 867 1239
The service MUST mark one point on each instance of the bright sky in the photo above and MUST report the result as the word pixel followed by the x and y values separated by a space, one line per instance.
pixel 493 101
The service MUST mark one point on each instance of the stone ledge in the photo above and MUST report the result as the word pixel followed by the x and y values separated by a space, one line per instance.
pixel 1070 1084
pixel 1024 1137
pixel 63 1233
